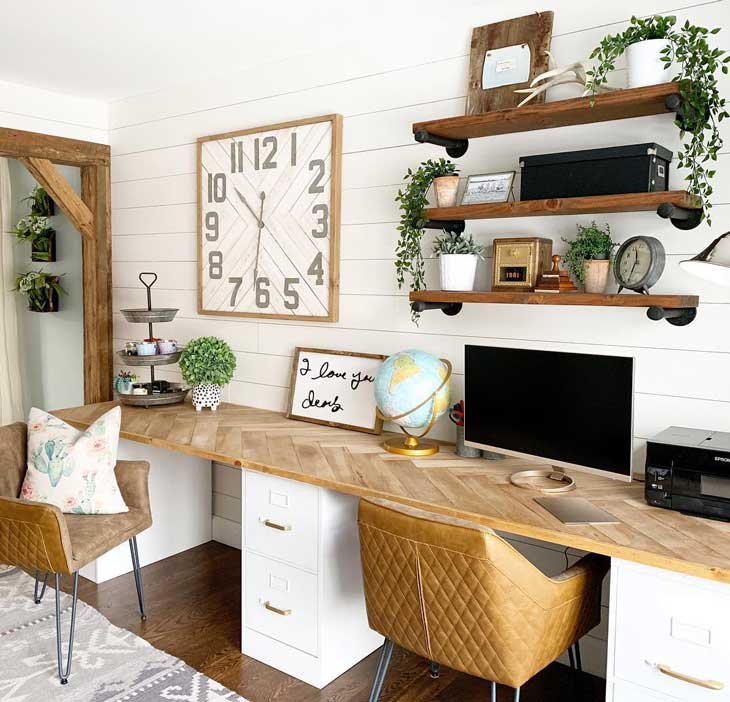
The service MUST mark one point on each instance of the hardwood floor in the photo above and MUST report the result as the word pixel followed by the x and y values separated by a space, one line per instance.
pixel 193 612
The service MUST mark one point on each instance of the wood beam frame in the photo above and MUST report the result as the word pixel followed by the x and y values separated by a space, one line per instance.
pixel 91 216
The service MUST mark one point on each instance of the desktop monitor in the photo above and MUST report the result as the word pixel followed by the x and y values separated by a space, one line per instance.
pixel 572 410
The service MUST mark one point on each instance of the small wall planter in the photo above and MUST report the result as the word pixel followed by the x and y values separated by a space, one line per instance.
pixel 50 304
pixel 43 249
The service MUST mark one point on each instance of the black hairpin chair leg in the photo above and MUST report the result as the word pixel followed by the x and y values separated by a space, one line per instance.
pixel 383 663
pixel 36 597
pixel 64 672
pixel 137 575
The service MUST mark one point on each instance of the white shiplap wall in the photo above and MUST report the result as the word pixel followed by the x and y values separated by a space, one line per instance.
pixel 406 74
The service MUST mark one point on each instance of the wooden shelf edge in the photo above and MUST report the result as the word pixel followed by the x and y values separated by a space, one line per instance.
pixel 575 299
pixel 620 104
pixel 594 204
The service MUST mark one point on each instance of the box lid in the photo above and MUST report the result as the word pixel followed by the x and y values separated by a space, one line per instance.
pixel 629 150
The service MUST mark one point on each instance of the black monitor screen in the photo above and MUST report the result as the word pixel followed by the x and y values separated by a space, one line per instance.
pixel 572 408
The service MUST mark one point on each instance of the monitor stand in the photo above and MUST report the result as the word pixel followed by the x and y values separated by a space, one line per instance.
pixel 563 482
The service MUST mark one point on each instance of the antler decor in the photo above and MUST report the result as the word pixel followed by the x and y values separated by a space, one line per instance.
pixel 574 73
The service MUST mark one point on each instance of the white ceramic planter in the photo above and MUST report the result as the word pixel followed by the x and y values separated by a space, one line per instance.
pixel 458 271
pixel 446 188
pixel 596 275
pixel 206 395
pixel 645 63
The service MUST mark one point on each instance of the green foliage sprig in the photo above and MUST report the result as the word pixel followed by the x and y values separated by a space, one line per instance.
pixel 451 243
pixel 591 242
pixel 702 106
pixel 207 359
pixel 36 229
pixel 40 202
pixel 413 202
pixel 38 287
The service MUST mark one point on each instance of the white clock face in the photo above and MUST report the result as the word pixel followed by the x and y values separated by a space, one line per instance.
pixel 635 262
pixel 269 220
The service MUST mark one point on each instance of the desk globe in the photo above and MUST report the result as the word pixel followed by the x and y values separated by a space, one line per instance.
pixel 412 390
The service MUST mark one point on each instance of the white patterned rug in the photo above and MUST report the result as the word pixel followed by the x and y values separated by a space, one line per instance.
pixel 109 664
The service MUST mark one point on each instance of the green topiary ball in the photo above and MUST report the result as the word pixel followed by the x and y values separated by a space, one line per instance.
pixel 207 359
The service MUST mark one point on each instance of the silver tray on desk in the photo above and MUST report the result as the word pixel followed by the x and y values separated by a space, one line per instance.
pixel 171 397
pixel 160 359
pixel 158 314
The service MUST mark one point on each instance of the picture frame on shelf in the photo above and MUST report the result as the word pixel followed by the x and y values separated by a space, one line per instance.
pixel 489 188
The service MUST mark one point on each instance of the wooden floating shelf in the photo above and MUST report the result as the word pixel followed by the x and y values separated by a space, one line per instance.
pixel 620 104
pixel 535 298
pixel 594 204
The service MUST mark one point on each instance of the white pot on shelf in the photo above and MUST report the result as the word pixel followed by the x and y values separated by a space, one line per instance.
pixel 458 271
pixel 206 395
pixel 645 65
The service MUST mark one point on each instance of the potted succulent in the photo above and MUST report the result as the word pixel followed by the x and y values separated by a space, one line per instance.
pixel 40 202
pixel 657 52
pixel 589 256
pixel 207 364
pixel 413 203
pixel 42 290
pixel 124 381
pixel 458 257
pixel 42 237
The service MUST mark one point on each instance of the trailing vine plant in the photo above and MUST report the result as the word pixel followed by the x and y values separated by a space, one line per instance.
pixel 702 106
pixel 413 202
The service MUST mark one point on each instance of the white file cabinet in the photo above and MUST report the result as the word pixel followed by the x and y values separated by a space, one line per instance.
pixel 303 604
pixel 669 637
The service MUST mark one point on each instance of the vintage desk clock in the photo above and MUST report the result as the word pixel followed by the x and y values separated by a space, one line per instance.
pixel 269 220
pixel 518 262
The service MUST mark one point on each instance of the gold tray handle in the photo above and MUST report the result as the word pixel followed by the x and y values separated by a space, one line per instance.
pixel 699 682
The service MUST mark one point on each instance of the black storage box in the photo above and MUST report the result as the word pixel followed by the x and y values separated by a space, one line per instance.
pixel 636 168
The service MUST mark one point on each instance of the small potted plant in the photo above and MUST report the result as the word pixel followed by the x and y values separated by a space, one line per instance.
pixel 124 381
pixel 42 290
pixel 42 237
pixel 207 364
pixel 659 52
pixel 458 257
pixel 413 202
pixel 589 256
pixel 40 202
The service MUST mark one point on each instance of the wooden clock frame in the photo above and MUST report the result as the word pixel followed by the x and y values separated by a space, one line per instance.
pixel 334 219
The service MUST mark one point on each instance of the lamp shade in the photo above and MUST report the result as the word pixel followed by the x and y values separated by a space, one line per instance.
pixel 713 263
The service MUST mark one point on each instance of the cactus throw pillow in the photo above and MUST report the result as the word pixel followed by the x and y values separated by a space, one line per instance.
pixel 72 469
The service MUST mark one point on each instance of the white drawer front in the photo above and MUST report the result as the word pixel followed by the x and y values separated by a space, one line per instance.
pixel 673 625
pixel 626 692
pixel 281 602
pixel 281 519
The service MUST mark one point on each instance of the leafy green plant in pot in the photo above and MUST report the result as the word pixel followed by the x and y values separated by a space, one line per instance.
pixel 413 202
pixel 40 202
pixel 42 290
pixel 658 51
pixel 589 256
pixel 458 257
pixel 207 363
pixel 36 229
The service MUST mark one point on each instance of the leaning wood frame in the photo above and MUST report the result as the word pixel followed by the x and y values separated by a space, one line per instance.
pixel 91 216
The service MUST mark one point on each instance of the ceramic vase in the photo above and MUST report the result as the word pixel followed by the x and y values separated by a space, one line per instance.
pixel 596 275
pixel 206 395
pixel 458 271
pixel 446 188
pixel 123 386
pixel 645 63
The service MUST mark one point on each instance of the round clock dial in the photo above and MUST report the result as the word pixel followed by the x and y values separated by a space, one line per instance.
pixel 639 263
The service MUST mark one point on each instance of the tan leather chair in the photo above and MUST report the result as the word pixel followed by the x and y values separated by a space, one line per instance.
pixel 459 595
pixel 39 538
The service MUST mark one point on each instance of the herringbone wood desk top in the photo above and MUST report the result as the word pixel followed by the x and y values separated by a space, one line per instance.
pixel 474 489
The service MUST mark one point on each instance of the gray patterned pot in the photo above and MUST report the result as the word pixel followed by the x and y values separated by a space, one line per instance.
pixel 206 395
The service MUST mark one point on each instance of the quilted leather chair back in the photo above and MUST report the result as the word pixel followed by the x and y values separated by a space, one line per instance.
pixel 458 594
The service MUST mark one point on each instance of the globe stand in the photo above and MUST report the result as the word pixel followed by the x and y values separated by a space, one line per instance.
pixel 411 446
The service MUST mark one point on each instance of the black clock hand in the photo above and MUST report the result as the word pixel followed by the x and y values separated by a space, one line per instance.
pixel 245 202
pixel 258 243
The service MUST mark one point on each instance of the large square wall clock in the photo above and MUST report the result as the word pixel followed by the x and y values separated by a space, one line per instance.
pixel 269 220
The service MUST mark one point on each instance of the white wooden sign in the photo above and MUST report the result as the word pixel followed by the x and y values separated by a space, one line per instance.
pixel 335 388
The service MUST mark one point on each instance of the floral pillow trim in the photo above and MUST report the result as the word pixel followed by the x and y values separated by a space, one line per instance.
pixel 71 469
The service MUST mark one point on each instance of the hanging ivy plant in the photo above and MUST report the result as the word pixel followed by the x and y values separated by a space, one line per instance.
pixel 413 202
pixel 702 107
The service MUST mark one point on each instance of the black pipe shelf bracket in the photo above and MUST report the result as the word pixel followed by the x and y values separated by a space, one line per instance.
pixel 680 217
pixel 448 308
pixel 453 226
pixel 678 317
pixel 454 147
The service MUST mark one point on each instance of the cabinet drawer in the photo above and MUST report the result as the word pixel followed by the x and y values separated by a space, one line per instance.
pixel 670 625
pixel 626 692
pixel 280 601
pixel 281 519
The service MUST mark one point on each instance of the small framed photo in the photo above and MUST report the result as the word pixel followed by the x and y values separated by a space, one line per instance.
pixel 489 187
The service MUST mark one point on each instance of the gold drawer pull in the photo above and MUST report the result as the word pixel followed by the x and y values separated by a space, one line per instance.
pixel 274 525
pixel 707 684
pixel 276 610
